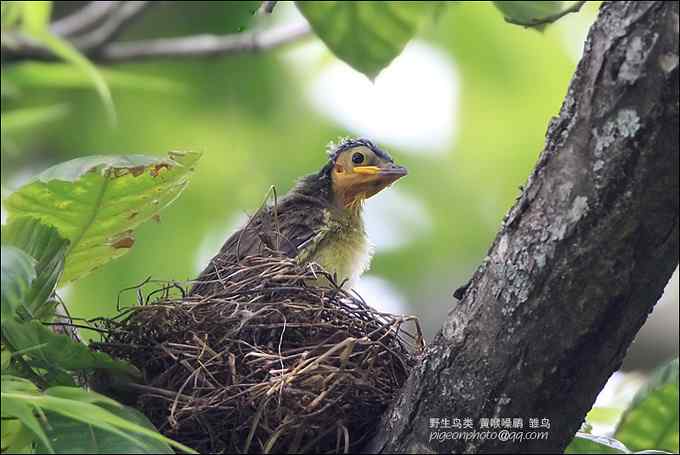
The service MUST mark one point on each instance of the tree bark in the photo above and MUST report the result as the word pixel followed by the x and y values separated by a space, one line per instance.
pixel 580 260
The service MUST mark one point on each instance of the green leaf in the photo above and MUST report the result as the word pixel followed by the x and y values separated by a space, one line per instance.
pixel 58 354
pixel 588 443
pixel 17 120
pixel 96 202
pixel 8 365
pixel 71 436
pixel 22 409
pixel 651 420
pixel 16 438
pixel 18 272
pixel 21 400
pixel 35 16
pixel 604 415
pixel 48 248
pixel 535 14
pixel 64 50
pixel 367 35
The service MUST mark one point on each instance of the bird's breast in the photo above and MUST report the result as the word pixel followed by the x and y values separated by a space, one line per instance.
pixel 345 252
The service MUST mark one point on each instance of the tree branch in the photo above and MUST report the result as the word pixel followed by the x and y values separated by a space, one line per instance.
pixel 112 27
pixel 18 47
pixel 580 260
pixel 83 19
pixel 203 45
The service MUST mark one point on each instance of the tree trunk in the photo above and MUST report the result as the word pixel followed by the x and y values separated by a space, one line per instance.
pixel 580 260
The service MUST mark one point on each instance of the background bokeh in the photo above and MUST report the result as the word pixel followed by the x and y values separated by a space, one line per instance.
pixel 465 108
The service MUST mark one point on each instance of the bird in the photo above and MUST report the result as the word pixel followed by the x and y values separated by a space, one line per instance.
pixel 319 219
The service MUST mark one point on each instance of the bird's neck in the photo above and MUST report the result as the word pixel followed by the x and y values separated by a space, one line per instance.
pixel 319 187
pixel 351 209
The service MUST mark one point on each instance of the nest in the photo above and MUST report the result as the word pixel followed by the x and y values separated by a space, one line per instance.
pixel 271 363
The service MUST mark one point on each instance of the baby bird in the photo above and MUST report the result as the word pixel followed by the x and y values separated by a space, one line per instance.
pixel 319 219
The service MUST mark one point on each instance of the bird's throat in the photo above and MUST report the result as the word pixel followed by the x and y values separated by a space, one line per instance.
pixel 354 204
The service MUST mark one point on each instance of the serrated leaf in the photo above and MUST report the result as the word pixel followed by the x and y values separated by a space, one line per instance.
pixel 44 244
pixel 96 202
pixel 18 272
pixel 651 420
pixel 367 35
pixel 589 443
pixel 57 354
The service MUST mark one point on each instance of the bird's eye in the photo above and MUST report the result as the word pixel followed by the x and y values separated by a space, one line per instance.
pixel 358 158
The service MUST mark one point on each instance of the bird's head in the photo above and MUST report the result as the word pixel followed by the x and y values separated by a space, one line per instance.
pixel 359 170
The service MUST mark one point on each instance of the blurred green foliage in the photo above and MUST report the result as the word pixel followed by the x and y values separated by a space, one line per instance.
pixel 651 420
pixel 249 115
pixel 649 423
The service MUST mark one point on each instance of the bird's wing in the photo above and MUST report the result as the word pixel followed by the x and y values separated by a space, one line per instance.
pixel 302 224
pixel 294 227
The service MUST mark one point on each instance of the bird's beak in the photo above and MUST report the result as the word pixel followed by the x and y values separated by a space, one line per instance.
pixel 393 171
pixel 390 170
pixel 373 179
pixel 367 170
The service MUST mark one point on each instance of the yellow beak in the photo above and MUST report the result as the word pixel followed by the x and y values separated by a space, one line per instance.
pixel 390 171
pixel 367 170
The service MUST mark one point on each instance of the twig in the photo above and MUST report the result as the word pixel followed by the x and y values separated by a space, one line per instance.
pixel 72 325
pixel 83 19
pixel 114 25
pixel 16 47
pixel 574 8
pixel 203 45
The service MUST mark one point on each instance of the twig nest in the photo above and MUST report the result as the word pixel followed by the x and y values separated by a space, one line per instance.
pixel 270 363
